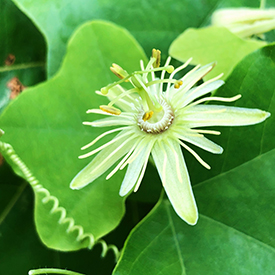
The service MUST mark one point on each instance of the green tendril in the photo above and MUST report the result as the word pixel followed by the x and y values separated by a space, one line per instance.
pixel 53 271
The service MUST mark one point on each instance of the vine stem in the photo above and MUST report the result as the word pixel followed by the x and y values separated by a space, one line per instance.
pixel 52 271
pixel 12 202
pixel 21 66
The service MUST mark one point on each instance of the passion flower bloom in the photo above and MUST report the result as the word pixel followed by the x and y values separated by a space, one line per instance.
pixel 245 22
pixel 158 116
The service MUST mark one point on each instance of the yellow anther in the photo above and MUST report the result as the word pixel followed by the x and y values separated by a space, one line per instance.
pixel 110 109
pixel 118 71
pixel 147 115
pixel 156 55
pixel 178 84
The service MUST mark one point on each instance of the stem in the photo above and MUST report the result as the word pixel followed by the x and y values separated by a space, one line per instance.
pixel 12 202
pixel 21 66
pixel 53 271
pixel 262 4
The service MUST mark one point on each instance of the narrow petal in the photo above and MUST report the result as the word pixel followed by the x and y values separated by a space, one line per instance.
pixel 197 92
pixel 111 121
pixel 102 161
pixel 215 115
pixel 199 140
pixel 174 175
pixel 134 168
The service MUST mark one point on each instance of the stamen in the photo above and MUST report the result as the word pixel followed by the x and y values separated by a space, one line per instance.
pixel 118 71
pixel 198 158
pixel 156 54
pixel 178 84
pixel 147 115
pixel 169 69
pixel 149 102
pixel 110 110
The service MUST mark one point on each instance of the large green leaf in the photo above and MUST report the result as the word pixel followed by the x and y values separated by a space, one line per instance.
pixel 242 198
pixel 163 244
pixel 236 235
pixel 20 38
pixel 44 126
pixel 154 24
pixel 211 44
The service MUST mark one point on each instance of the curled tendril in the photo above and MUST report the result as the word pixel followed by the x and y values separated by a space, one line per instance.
pixel 8 151
pixel 53 271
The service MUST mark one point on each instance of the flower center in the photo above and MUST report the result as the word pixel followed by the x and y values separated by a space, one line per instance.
pixel 159 122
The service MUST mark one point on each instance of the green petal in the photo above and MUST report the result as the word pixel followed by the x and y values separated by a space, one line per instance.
pixel 216 115
pixel 191 95
pixel 134 168
pixel 102 161
pixel 111 121
pixel 191 78
pixel 200 141
pixel 174 175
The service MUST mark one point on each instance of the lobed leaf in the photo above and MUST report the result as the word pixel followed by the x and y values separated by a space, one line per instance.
pixel 44 127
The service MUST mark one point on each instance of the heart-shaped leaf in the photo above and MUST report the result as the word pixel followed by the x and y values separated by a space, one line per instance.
pixel 211 44
pixel 44 126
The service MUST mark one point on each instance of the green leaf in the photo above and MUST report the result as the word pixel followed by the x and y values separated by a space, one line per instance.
pixel 163 244
pixel 153 24
pixel 44 126
pixel 21 39
pixel 211 44
pixel 242 198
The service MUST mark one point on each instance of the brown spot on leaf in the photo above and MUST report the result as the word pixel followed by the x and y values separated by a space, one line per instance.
pixel 10 60
pixel 1 159
pixel 16 87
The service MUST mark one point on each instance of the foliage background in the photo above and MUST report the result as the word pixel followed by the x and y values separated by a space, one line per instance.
pixel 37 34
